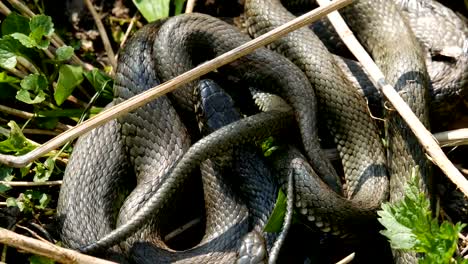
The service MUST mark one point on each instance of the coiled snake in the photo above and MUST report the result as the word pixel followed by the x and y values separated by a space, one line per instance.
pixel 154 142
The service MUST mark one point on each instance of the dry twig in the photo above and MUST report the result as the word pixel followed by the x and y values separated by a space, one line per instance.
pixel 190 5
pixel 453 137
pixel 346 259
pixel 46 249
pixel 30 184
pixel 102 34
pixel 423 135
pixel 27 115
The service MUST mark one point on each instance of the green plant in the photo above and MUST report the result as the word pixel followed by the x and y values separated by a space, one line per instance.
pixel 40 78
pixel 155 9
pixel 409 225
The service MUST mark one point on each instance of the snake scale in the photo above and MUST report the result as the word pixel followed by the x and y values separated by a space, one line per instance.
pixel 113 191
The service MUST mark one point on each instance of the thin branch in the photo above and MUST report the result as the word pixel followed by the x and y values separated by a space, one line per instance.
pixel 16 112
pixel 347 259
pixel 30 184
pixel 27 115
pixel 21 7
pixel 103 34
pixel 182 229
pixel 36 131
pixel 422 134
pixel 127 33
pixel 28 65
pixel 4 9
pixel 169 86
pixel 453 137
pixel 190 5
pixel 17 73
pixel 46 249
pixel 34 234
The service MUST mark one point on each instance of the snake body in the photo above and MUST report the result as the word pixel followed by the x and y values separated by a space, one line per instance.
pixel 158 133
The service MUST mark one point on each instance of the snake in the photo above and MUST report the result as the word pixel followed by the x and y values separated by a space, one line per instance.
pixel 122 145
pixel 134 148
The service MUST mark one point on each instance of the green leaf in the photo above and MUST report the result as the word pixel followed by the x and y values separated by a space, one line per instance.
pixel 36 198
pixel 46 122
pixel 409 225
pixel 33 86
pixel 41 27
pixel 268 146
pixel 5 78
pixel 100 80
pixel 69 77
pixel 43 201
pixel 16 143
pixel 25 170
pixel 25 96
pixel 275 222
pixel 24 39
pixel 34 82
pixel 23 202
pixel 153 9
pixel 40 260
pixel 10 201
pixel 179 4
pixel 400 236
pixel 4 188
pixel 5 175
pixel 64 53
pixel 15 23
pixel 9 50
pixel 44 170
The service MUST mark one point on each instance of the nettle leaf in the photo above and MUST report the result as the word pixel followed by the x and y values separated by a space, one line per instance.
pixel 69 78
pixel 15 23
pixel 33 89
pixel 400 236
pixel 40 260
pixel 409 225
pixel 64 53
pixel 153 9
pixel 16 143
pixel 275 222
pixel 41 27
pixel 5 78
pixel 44 170
pixel 10 48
